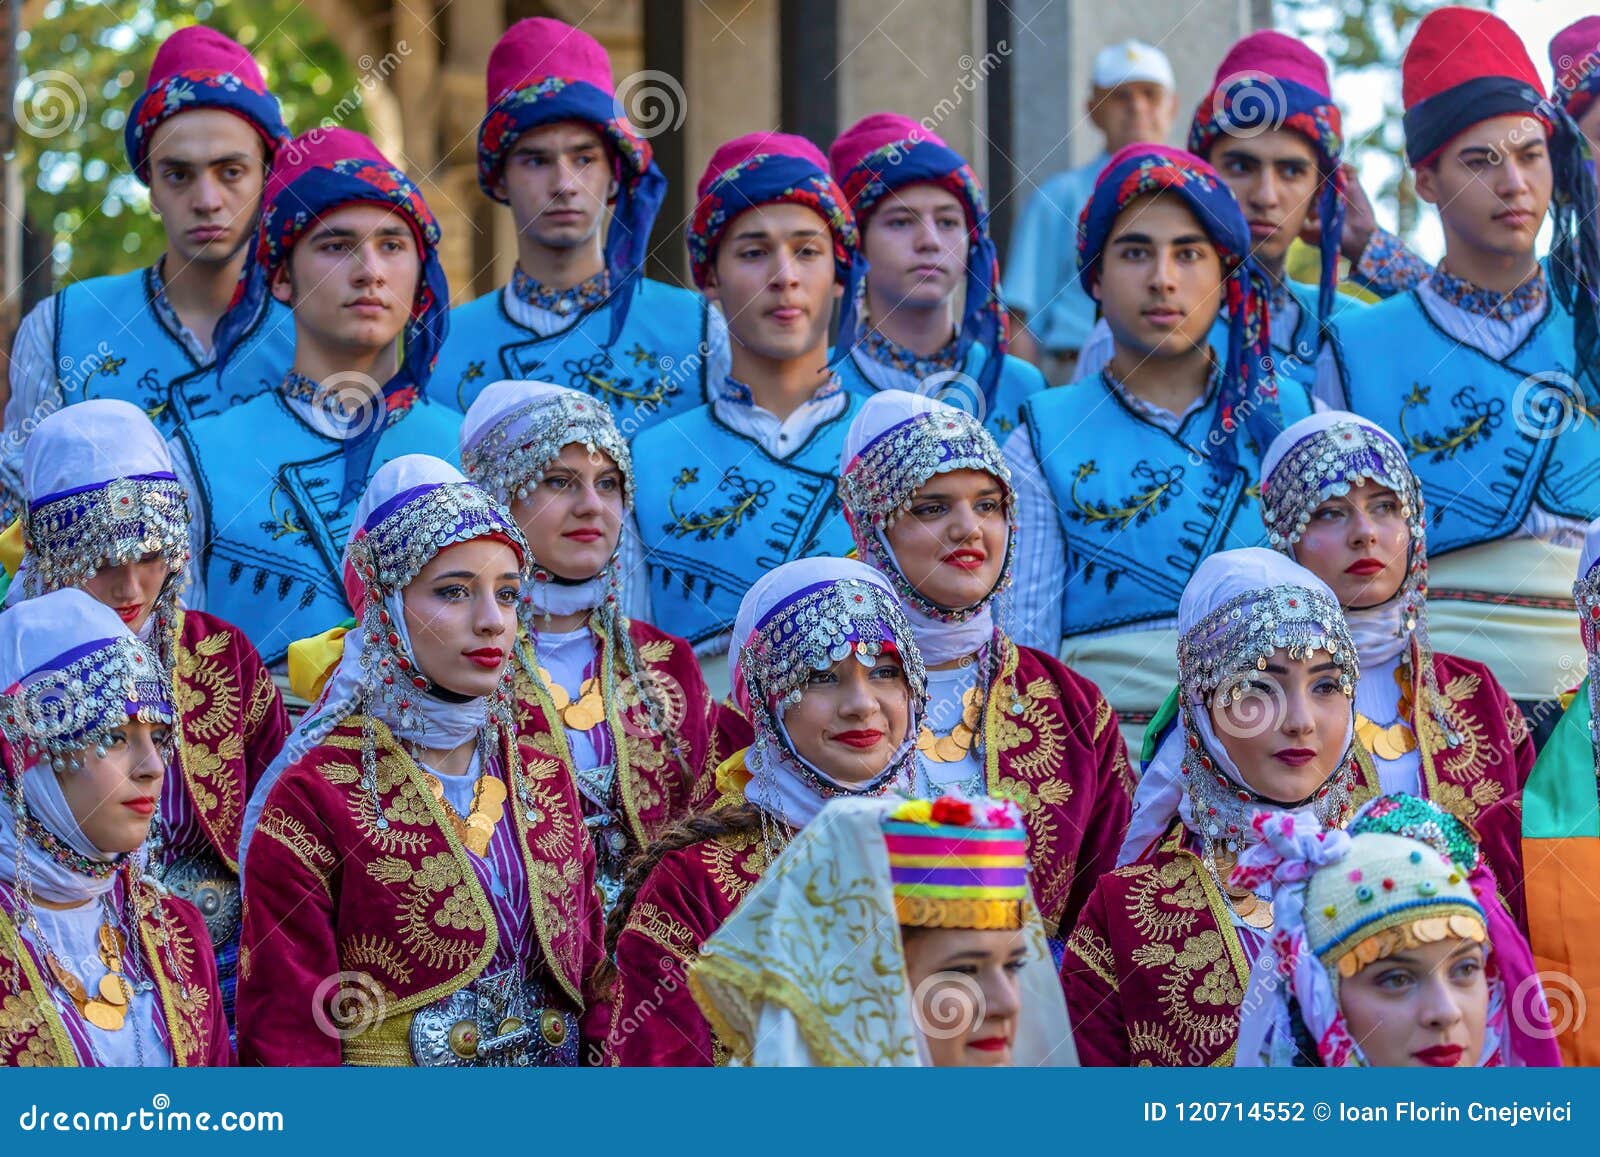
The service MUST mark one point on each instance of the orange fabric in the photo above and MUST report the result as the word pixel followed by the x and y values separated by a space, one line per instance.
pixel 1562 890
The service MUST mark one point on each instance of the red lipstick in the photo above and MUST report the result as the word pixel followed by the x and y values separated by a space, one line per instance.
pixel 144 806
pixel 130 612
pixel 1365 567
pixel 1440 1056
pixel 1295 756
pixel 863 739
pixel 487 657
pixel 989 1044
pixel 965 559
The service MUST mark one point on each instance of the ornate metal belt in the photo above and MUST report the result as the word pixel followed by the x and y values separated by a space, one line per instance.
pixel 499 1021
pixel 205 882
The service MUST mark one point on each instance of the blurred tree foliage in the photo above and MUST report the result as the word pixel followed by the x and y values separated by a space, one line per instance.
pixel 83 65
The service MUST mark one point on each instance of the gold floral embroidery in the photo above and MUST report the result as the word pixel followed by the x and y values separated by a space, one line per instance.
pixel 1088 946
pixel 420 890
pixel 281 827
pixel 207 698
pixel 172 953
pixel 736 862
pixel 1457 778
pixel 657 925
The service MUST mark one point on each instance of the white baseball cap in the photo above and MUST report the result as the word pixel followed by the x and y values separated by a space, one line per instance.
pixel 1130 62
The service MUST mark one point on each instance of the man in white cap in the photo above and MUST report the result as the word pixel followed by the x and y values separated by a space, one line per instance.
pixel 1131 99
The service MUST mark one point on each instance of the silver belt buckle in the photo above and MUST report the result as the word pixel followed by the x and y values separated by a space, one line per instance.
pixel 207 884
pixel 497 1021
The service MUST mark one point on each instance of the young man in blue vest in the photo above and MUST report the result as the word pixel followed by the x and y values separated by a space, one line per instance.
pixel 1486 372
pixel 1127 480
pixel 556 149
pixel 1132 98
pixel 348 244
pixel 202 136
pixel 736 487
pixel 924 226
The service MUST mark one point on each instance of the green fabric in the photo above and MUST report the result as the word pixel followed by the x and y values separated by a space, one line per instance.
pixel 1559 801
pixel 1165 714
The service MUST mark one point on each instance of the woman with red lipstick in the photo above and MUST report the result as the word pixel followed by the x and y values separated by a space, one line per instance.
pixel 1156 969
pixel 1340 498
pixel 418 886
pixel 828 672
pixel 914 964
pixel 928 497
pixel 105 513
pixel 1391 948
pixel 624 703
pixel 98 965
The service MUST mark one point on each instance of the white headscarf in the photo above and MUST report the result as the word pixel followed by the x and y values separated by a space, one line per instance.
pixel 781 780
pixel 537 416
pixel 38 638
pixel 429 719
pixel 1162 793
pixel 810 969
pixel 88 445
pixel 1591 548
pixel 1381 632
pixel 941 638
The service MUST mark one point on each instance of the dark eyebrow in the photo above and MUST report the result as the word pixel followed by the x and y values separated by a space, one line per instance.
pixel 1477 152
pixel 940 496
pixel 190 162
pixel 1278 669
pixel 764 235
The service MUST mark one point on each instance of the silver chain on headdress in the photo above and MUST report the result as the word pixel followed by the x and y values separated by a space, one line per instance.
pixel 72 537
pixel 1217 659
pixel 387 558
pixel 510 459
pixel 881 483
pixel 59 714
pixel 846 618
pixel 1329 463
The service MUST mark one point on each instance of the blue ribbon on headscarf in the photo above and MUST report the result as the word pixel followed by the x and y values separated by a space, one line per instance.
pixel 1247 385
pixel 292 211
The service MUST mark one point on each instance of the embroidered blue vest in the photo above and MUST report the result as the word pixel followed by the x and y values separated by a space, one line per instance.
pixel 110 343
pixel 1487 438
pixel 716 512
pixel 274 562
pixel 654 371
pixel 1001 414
pixel 1294 355
pixel 1139 507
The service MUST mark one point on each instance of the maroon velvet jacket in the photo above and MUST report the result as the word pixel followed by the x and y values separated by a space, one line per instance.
pixel 175 945
pixel 233 724
pixel 653 789
pixel 387 921
pixel 1054 747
